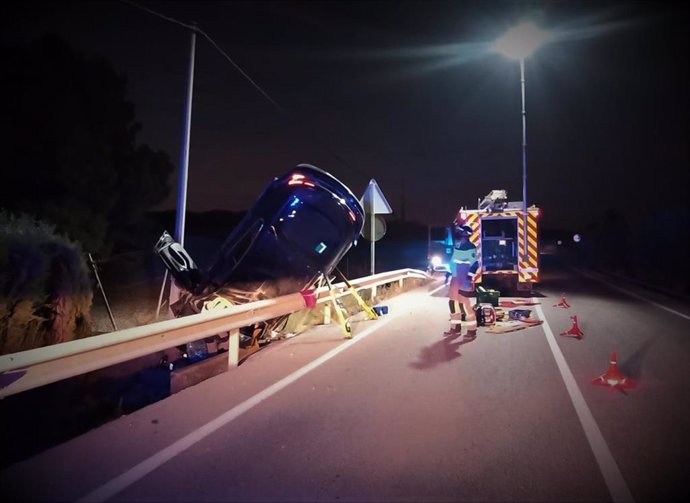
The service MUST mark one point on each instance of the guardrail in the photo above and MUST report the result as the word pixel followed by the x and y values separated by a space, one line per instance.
pixel 37 367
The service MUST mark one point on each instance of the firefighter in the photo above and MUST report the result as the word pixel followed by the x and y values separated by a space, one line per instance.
pixel 461 290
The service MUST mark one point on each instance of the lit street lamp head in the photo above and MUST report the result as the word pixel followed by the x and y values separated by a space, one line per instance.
pixel 521 40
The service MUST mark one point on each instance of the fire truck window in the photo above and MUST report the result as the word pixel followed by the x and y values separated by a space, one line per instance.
pixel 504 228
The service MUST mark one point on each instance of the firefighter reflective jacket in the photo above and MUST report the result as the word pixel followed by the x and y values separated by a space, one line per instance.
pixel 465 264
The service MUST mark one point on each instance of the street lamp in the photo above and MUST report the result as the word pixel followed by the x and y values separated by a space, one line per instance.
pixel 518 43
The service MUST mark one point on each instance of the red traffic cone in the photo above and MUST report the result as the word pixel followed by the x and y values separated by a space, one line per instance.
pixel 563 303
pixel 613 377
pixel 574 331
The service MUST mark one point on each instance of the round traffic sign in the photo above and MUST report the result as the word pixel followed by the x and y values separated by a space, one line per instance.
pixel 379 227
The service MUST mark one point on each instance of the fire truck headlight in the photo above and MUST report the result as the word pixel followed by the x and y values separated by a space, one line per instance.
pixel 436 261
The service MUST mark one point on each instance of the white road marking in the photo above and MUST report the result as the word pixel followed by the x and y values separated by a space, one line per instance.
pixel 121 482
pixel 437 289
pixel 609 469
pixel 631 294
pixel 614 480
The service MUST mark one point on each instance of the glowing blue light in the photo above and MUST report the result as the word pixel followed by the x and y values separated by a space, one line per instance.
pixel 295 201
pixel 320 247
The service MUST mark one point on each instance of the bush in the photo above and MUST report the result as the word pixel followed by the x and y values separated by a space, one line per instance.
pixel 45 288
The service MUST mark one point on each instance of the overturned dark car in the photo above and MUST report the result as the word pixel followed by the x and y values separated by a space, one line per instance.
pixel 299 229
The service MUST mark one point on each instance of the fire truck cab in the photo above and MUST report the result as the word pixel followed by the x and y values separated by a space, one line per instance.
pixel 506 238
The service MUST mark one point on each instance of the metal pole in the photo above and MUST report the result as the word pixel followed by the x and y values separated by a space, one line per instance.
pixel 184 165
pixel 160 296
pixel 184 153
pixel 100 287
pixel 370 205
pixel 371 235
pixel 524 158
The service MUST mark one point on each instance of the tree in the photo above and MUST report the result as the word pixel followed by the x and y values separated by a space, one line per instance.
pixel 69 144
pixel 45 288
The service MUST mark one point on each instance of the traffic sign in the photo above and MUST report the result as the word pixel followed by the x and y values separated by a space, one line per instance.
pixel 373 201
pixel 379 227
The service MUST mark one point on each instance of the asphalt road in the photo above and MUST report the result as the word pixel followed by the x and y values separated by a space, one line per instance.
pixel 400 413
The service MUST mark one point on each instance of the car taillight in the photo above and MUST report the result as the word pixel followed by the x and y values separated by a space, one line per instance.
pixel 296 179
pixel 299 179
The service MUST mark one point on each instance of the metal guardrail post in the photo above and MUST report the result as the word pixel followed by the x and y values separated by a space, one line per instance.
pixel 234 348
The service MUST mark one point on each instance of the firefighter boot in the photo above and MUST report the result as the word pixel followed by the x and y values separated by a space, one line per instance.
pixel 453 330
pixel 470 335
pixel 455 326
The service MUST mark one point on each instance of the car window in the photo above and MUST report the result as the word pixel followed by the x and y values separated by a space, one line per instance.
pixel 311 232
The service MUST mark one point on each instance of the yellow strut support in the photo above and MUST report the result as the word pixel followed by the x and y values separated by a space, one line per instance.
pixel 339 310
pixel 367 308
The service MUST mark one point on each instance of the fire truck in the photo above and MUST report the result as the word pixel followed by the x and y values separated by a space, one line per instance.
pixel 506 237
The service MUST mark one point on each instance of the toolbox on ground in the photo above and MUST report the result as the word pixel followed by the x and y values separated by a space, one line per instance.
pixel 487 296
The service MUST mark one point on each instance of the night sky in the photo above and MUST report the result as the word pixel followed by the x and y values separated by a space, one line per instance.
pixel 407 93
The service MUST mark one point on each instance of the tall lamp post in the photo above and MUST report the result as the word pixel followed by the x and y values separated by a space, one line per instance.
pixel 518 43
pixel 184 150
pixel 181 208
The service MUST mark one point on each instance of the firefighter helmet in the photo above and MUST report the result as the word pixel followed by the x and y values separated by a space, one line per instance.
pixel 463 230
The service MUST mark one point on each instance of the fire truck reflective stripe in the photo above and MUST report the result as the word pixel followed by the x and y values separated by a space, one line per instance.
pixel 473 221
pixel 533 245
pixel 528 270
pixel 521 244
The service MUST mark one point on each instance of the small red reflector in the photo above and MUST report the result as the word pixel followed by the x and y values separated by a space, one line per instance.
pixel 309 297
